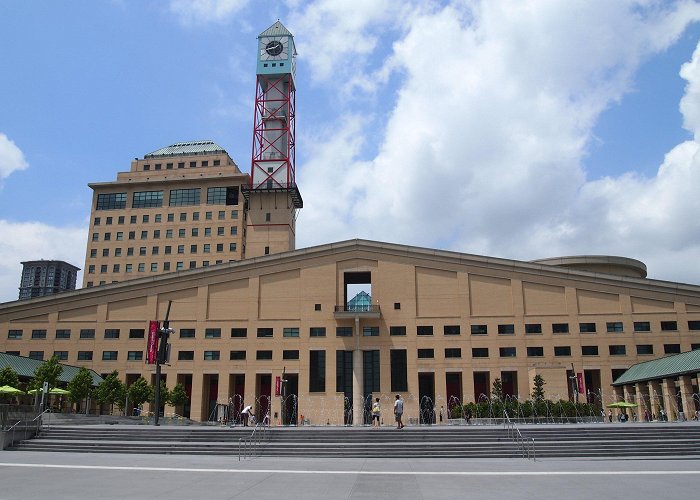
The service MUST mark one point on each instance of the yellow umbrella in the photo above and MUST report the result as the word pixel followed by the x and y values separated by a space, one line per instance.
pixel 7 389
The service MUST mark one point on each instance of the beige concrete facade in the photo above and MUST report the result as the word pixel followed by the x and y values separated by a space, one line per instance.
pixel 169 212
pixel 431 333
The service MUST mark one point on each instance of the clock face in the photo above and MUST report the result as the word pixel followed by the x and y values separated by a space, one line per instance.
pixel 274 48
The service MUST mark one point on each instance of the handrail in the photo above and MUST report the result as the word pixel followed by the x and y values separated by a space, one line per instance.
pixel 251 444
pixel 525 445
pixel 35 419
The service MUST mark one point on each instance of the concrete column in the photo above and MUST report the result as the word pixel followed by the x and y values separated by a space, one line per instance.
pixel 196 403
pixel 668 390
pixel 357 379
pixel 642 398
pixel 223 388
pixel 655 395
pixel 686 384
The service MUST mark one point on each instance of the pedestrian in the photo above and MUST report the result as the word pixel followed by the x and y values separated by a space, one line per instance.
pixel 398 411
pixel 468 415
pixel 246 413
pixel 442 413
pixel 646 415
pixel 610 415
pixel 376 413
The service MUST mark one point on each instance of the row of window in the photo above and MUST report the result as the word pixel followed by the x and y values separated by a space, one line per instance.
pixel 85 333
pixel 536 328
pixel 153 266
pixel 146 218
pixel 169 233
pixel 167 250
pixel 169 166
pixel 177 198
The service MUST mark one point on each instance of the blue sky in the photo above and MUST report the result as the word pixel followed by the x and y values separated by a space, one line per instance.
pixel 519 129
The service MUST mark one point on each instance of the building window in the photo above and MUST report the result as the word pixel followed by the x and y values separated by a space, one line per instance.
pixel 317 371
pixel 147 199
pixel 137 333
pixel 212 355
pixel 87 333
pixel 343 331
pixel 614 327
pixel 222 195
pixel 109 355
pixel 179 266
pixel 642 326
pixel 112 201
pixel 187 333
pixel 183 216
pixel 154 267
pixel 617 350
pixel 185 356
pixel 533 328
pixel 506 329
pixel 317 307
pixel 290 332
pixel 84 355
pixel 317 331
pixel 237 355
pixel 142 267
pixel 479 329
pixel 694 325
pixel 134 356
pixel 644 349
pixel 669 326
pixel 212 333
pixel 239 333
pixel 587 327
pixel 184 197
pixel 112 333
pixel 263 355
pixel 560 328
pixel 589 350
pixel 507 352
pixel 166 266
pixel 535 352
pixel 426 353
pixel 265 333
pixel 290 354
pixel 453 352
pixel 451 330
pixel 63 334
pixel 399 373
pixel 38 334
pixel 129 268
pixel 424 330
pixel 480 352
pixel 61 355
pixel 397 330
pixel 672 348
pixel 370 331
pixel 14 334
pixel 120 235
pixel 562 350
pixel 232 247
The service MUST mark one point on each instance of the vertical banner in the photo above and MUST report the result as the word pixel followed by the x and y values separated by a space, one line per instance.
pixel 152 347
pixel 581 383
pixel 278 385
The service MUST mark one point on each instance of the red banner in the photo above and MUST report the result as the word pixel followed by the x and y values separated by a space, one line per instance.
pixel 581 383
pixel 278 385
pixel 152 347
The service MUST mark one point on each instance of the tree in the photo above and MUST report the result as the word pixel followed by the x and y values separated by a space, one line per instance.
pixel 9 377
pixel 80 386
pixel 178 396
pixel 139 392
pixel 538 389
pixel 47 372
pixel 110 390
pixel 164 394
pixel 497 389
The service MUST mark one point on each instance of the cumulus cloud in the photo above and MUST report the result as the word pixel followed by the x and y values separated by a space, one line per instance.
pixel 22 241
pixel 11 157
pixel 205 11
pixel 484 147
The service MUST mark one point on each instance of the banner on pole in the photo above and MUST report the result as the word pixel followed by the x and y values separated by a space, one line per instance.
pixel 581 383
pixel 278 385
pixel 152 347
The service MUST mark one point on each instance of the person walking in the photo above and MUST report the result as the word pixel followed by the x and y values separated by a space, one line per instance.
pixel 398 411
pixel 246 413
pixel 376 413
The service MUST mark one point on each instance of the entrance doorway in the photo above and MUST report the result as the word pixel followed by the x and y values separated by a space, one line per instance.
pixel 510 384
pixel 186 381
pixel 453 390
pixel 211 394
pixel 263 395
pixel 290 398
pixel 237 388
pixel 426 398
pixel 482 386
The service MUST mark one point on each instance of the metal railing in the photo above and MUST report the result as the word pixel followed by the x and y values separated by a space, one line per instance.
pixel 35 424
pixel 526 446
pixel 250 446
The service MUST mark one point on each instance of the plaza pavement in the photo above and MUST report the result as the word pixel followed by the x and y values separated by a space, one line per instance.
pixel 32 475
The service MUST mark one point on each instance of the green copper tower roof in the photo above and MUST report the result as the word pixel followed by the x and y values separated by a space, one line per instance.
pixel 276 29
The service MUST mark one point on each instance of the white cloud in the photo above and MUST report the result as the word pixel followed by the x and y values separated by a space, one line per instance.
pixel 11 157
pixel 484 149
pixel 205 11
pixel 22 241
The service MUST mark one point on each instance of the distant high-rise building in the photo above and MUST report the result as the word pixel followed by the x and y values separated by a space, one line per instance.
pixel 46 277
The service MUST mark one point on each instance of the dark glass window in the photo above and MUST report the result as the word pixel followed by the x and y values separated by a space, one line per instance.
pixel 38 334
pixel 134 356
pixel 239 333
pixel 451 330
pixel 507 352
pixel 317 331
pixel 562 350
pixel 137 333
pixel 84 355
pixel 479 330
pixel 669 326
pixel 87 333
pixel 397 330
pixel 317 371
pixel 263 355
pixel 672 348
pixel 290 332
pixel 589 350
pixel 480 352
pixel 617 350
pixel 533 328
pixel 453 352
pixel 645 349
pixel 147 199
pixel 62 334
pixel 222 195
pixel 560 327
pixel 506 329
pixel 212 355
pixel 586 327
pixel 290 354
pixel 370 331
pixel 426 353
pixel 642 326
pixel 185 356
pixel 186 333
pixel 694 325
pixel 14 334
pixel 343 331
pixel 112 201
pixel 212 333
pixel 399 374
pixel 109 355
pixel 424 330
pixel 61 355
pixel 112 333
pixel 265 333
pixel 237 355
pixel 614 326
pixel 535 352
pixel 184 197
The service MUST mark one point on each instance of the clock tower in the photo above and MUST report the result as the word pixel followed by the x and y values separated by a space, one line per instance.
pixel 272 196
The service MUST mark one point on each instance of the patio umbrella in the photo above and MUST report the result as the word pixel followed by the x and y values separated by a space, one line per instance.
pixel 7 389
pixel 54 390
pixel 622 404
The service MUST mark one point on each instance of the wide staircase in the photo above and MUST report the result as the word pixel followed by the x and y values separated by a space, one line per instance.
pixel 667 440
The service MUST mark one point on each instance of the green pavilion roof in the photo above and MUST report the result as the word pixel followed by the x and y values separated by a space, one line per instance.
pixel 669 366
pixel 25 367
pixel 188 148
